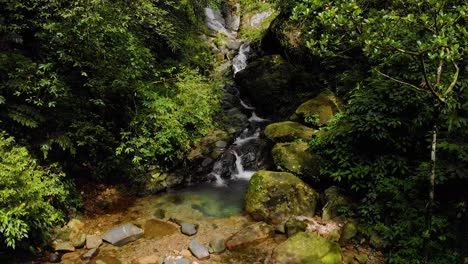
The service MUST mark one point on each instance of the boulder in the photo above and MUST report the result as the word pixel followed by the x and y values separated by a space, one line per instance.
pixel 63 246
pixel 348 231
pixel 79 241
pixel 93 241
pixel 295 157
pixel 121 235
pixel 320 109
pixel 294 226
pixel 273 85
pixel 251 234
pixel 307 248
pixel 275 196
pixel 198 250
pixel 217 244
pixel 333 202
pixel 288 131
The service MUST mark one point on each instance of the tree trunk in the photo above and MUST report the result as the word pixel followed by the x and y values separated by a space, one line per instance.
pixel 430 203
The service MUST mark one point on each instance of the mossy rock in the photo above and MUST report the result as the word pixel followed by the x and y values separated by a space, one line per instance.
pixel 333 202
pixel 323 107
pixel 295 157
pixel 276 196
pixel 288 131
pixel 307 248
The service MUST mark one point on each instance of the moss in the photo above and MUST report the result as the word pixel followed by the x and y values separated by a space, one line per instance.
pixel 288 131
pixel 297 249
pixel 295 157
pixel 274 196
pixel 324 106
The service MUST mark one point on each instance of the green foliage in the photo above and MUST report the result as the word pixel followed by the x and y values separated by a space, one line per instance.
pixel 30 195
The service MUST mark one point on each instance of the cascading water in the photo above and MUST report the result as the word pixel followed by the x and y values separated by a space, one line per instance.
pixel 240 61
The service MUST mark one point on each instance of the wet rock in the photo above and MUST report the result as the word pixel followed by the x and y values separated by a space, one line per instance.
pixel 294 226
pixel 90 254
pixel 321 108
pixel 307 248
pixel 288 131
pixel 79 241
pixel 206 162
pixel 333 202
pixel 198 250
pixel 251 234
pixel 188 229
pixel 217 244
pixel 151 259
pixel 121 235
pixel 63 246
pixel 295 157
pixel 93 241
pixel 275 196
pixel 348 232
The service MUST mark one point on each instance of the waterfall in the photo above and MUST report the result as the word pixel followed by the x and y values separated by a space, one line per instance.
pixel 240 61
pixel 241 173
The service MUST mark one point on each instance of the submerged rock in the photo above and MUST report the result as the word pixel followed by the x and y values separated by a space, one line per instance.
pixel 156 229
pixel 288 131
pixel 323 107
pixel 151 259
pixel 307 248
pixel 274 196
pixel 188 229
pixel 121 235
pixel 217 244
pixel 198 250
pixel 295 157
pixel 177 261
pixel 251 234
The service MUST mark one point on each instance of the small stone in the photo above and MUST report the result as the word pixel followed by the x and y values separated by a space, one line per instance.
pixel 54 258
pixel 64 246
pixel 93 241
pixel 177 261
pixel 217 244
pixel 90 254
pixel 188 229
pixel 79 241
pixel 152 259
pixel 185 253
pixel 198 250
pixel 221 144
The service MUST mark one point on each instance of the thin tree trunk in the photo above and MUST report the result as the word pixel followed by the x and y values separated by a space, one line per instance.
pixel 430 204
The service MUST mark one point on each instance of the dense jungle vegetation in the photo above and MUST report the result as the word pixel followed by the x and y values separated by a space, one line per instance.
pixel 97 90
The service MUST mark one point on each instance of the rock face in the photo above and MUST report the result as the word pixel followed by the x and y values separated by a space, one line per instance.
pixel 295 157
pixel 272 84
pixel 198 250
pixel 307 248
pixel 121 235
pixel 288 131
pixel 323 107
pixel 251 234
pixel 274 196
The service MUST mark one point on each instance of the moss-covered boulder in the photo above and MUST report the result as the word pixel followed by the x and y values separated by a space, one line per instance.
pixel 307 248
pixel 275 196
pixel 274 85
pixel 295 157
pixel 320 109
pixel 288 131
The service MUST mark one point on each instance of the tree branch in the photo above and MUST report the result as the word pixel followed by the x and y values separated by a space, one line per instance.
pixel 439 72
pixel 401 82
pixel 428 83
pixel 455 79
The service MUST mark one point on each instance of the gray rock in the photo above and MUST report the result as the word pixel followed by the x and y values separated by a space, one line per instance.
pixel 221 144
pixel 93 241
pixel 198 250
pixel 217 244
pixel 90 254
pixel 79 241
pixel 64 246
pixel 188 229
pixel 258 19
pixel 233 44
pixel 177 261
pixel 121 235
